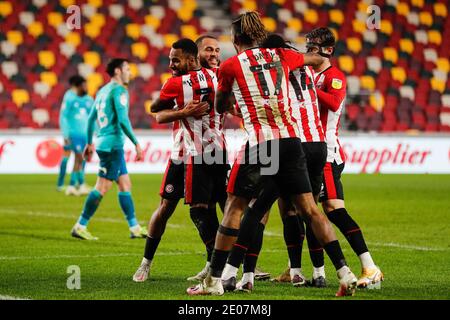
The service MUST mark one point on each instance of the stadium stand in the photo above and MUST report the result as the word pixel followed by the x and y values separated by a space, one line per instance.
pixel 397 75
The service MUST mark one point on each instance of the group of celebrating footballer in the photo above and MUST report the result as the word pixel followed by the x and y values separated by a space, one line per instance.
pixel 290 104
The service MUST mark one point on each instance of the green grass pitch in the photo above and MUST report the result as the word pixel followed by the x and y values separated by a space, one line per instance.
pixel 405 220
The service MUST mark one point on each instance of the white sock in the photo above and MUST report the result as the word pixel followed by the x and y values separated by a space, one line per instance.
pixel 295 271
pixel 248 277
pixel 343 271
pixel 229 272
pixel 366 260
pixel 135 228
pixel 207 265
pixel 319 272
pixel 80 226
pixel 146 261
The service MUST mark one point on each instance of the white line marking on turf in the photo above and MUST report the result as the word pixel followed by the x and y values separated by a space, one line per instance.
pixel 72 217
pixel 3 297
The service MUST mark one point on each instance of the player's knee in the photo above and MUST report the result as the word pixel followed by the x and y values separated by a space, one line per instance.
pixel 166 209
pixel 235 206
pixel 331 205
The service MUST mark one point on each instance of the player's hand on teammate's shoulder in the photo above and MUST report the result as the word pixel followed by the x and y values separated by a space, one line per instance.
pixel 88 152
pixel 138 152
pixel 196 108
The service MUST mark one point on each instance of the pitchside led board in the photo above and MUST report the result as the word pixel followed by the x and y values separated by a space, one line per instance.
pixel 41 153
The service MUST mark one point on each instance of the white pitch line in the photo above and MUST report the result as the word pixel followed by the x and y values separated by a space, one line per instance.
pixel 178 226
pixel 3 297
pixel 72 217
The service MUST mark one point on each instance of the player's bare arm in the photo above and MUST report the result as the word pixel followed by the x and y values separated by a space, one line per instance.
pixel 312 59
pixel 194 109
pixel 160 104
pixel 224 101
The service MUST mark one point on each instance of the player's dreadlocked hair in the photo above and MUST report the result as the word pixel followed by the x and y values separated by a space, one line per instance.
pixel 248 28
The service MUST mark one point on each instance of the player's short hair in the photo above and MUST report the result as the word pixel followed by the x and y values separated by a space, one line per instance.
pixel 76 80
pixel 202 37
pixel 187 46
pixel 113 64
pixel 248 28
pixel 323 36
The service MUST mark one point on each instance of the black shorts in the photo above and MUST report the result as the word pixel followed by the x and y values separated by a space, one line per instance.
pixel 332 185
pixel 172 186
pixel 316 157
pixel 206 182
pixel 280 161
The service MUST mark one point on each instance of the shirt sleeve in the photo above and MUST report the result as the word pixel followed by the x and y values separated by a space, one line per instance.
pixel 333 92
pixel 92 124
pixel 293 58
pixel 171 89
pixel 63 116
pixel 226 76
pixel 121 105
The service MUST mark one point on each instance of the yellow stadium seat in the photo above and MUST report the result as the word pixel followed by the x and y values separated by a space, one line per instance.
pixel 280 2
pixel 35 29
pixel 95 3
pixel 139 50
pixel 152 21
pixel 15 37
pixel 249 5
pixel 311 16
pixel 73 38
pixel 390 54
pixel 5 8
pixel 169 39
pixel 185 14
pixel 362 6
pixel 402 9
pixel 98 20
pixel 49 78
pixel 20 97
pixel 354 44
pixel 406 45
pixel 398 74
pixel 134 70
pixel 367 82
pixel 67 3
pixel 190 4
pixel 386 26
pixel 165 76
pixel 438 85
pixel 318 2
pixel 417 3
pixel 359 26
pixel 94 81
pixel 189 31
pixel 435 37
pixel 440 10
pixel 55 19
pixel 91 30
pixel 92 58
pixel 376 101
pixel 426 18
pixel 346 64
pixel 46 59
pixel 336 16
pixel 224 38
pixel 270 24
pixel 335 33
pixel 133 30
pixel 295 24
pixel 443 64
pixel 148 106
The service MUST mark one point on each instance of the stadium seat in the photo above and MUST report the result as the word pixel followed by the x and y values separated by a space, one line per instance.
pixel 413 18
pixel 26 18
pixel 95 3
pixel 336 16
pixel 284 15
pixel 398 74
pixel 136 4
pixel 139 49
pixel 376 101
pixel 270 24
pixel 445 100
pixel 152 21
pixel 370 36
pixel 157 11
pixel 207 23
pixel 8 48
pixel 49 78
pixel 354 45
pixel 40 116
pixel 85 70
pixel 311 16
pixel 390 54
pixel 54 19
pixel 438 85
pixel 10 68
pixel 359 26
pixel 189 31
pixel 169 39
pixel 407 92
pixel 35 29
pixel 66 49
pixel 133 30
pixel 346 64
pixel 94 81
pixel 92 58
pixel 116 11
pixel 426 18
pixel 386 27
pixel 443 64
pixel 295 24
pixel 20 97
pixel 6 8
pixel 15 37
pixel 73 38
pixel 41 88
pixel 406 45
pixel 146 70
pixel 440 10
pixel 165 77
pixel 430 55
pixel 434 37
pixel 374 64
pixel 46 59
pixel 368 82
pixel 353 85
